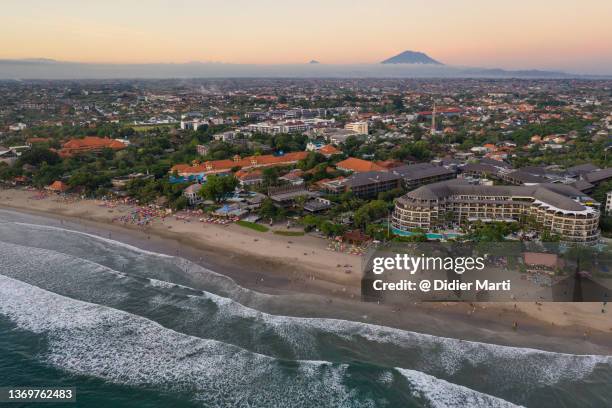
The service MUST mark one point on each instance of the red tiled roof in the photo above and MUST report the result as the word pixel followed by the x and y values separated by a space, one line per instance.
pixel 358 165
pixel 218 166
pixel 58 186
pixel 329 150
pixel 249 175
pixel 89 143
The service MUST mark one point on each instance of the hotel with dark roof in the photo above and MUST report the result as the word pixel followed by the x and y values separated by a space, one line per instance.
pixel 559 209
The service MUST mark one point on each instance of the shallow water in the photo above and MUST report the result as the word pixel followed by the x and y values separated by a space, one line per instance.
pixel 123 324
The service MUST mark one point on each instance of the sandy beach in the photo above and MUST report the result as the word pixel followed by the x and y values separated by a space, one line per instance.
pixel 303 266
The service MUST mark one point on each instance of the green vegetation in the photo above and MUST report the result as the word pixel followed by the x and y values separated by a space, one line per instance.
pixel 491 232
pixel 144 128
pixel 253 226
pixel 371 212
pixel 290 233
pixel 270 211
pixel 324 225
pixel 395 134
pixel 218 188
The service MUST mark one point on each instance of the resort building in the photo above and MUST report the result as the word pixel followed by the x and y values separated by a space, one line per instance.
pixel 415 175
pixel 198 171
pixel 89 144
pixel 559 209
pixel 597 177
pixel 364 185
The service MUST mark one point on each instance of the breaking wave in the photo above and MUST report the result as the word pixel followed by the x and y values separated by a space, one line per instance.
pixel 94 340
pixel 131 316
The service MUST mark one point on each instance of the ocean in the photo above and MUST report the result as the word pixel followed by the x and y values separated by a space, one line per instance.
pixel 133 328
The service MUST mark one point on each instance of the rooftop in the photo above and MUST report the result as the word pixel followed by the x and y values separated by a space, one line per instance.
pixel 421 170
pixel 358 165
pixel 558 196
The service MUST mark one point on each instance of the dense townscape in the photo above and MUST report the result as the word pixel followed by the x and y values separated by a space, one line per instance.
pixel 363 159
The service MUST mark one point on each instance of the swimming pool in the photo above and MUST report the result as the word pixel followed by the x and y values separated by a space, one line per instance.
pixel 429 235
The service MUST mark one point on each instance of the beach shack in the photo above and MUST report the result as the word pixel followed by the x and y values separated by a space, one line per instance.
pixel 58 187
pixel 285 196
pixel 356 237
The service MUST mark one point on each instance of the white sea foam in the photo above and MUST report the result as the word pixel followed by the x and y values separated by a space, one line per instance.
pixel 94 340
pixel 437 355
pixel 442 394
pixel 530 366
pixel 123 257
pixel 90 339
pixel 97 237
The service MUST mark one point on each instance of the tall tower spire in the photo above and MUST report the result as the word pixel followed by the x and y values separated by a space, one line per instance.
pixel 433 119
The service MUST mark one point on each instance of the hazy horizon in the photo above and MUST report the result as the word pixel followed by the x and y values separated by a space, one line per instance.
pixel 567 35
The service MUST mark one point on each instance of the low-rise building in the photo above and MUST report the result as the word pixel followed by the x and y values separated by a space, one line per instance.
pixel 192 194
pixel 317 204
pixel 285 196
pixel 198 171
pixel 249 178
pixel 355 165
pixel 89 144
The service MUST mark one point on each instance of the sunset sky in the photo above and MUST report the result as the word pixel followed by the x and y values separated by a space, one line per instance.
pixel 571 35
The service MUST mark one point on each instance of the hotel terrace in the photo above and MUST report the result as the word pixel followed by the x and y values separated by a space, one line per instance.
pixel 559 209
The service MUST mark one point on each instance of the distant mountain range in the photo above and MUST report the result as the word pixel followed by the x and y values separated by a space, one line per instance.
pixel 409 64
pixel 411 57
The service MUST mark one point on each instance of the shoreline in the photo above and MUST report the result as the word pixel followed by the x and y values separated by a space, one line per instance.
pixel 301 271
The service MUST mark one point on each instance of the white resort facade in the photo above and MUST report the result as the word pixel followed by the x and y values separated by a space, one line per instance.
pixel 559 209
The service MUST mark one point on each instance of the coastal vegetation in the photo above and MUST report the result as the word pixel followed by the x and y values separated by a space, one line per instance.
pixel 252 225
pixel 289 233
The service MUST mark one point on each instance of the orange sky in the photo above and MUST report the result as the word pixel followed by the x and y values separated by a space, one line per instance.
pixel 571 35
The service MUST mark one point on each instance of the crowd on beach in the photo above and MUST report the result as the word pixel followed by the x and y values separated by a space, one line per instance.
pixel 337 245
pixel 142 216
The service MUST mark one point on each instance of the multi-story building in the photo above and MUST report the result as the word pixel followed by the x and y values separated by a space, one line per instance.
pixel 559 209
pixel 280 127
pixel 415 175
pixel 361 128
pixel 364 185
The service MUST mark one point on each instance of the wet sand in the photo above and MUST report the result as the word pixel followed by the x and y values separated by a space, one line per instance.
pixel 303 274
